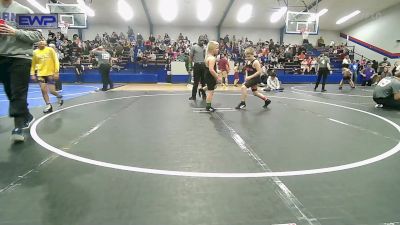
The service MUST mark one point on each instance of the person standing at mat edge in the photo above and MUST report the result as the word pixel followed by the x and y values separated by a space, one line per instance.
pixel 197 57
pixel 16 49
pixel 253 78
pixel 324 68
pixel 387 92
pixel 104 59
pixel 47 66
pixel 211 75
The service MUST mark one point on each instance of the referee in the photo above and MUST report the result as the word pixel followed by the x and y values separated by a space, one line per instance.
pixel 324 68
pixel 104 60
pixel 196 57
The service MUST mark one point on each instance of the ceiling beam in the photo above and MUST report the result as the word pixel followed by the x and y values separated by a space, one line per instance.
pixel 227 9
pixel 146 11
pixel 312 5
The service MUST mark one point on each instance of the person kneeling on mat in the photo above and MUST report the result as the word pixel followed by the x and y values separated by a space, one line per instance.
pixel 347 76
pixel 387 92
pixel 46 63
pixel 273 83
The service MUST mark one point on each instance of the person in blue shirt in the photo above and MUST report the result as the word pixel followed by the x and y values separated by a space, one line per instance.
pixel 354 68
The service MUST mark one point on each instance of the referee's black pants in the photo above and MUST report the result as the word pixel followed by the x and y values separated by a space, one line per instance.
pixel 322 73
pixel 105 76
pixel 199 70
pixel 14 74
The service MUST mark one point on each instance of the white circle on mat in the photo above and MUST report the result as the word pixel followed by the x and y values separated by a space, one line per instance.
pixel 60 152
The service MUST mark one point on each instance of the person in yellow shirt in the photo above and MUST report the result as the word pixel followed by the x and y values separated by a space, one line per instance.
pixel 46 65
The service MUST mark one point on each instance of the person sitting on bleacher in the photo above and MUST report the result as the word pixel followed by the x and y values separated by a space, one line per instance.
pixel 313 65
pixel 273 83
pixel 302 56
pixel 305 66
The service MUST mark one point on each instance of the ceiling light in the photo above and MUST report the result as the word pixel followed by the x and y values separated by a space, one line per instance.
pixel 244 13
pixel 203 9
pixel 125 10
pixel 88 11
pixel 345 18
pixel 276 16
pixel 39 7
pixel 168 9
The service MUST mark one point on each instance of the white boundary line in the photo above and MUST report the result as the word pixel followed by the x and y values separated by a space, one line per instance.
pixel 287 196
pixel 74 94
pixel 32 92
pixel 325 93
pixel 365 162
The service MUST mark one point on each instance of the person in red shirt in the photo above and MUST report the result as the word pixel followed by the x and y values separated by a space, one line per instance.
pixel 302 56
pixel 223 66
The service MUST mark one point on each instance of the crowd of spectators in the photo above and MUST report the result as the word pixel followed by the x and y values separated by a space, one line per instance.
pixel 134 48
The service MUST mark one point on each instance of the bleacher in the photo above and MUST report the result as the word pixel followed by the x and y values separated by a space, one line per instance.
pixel 153 71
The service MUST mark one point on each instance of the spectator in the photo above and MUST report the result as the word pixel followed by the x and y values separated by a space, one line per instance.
pixel 367 74
pixel 396 68
pixel 385 73
pixel 375 65
pixel 313 65
pixel 302 56
pixel 305 67
pixel 273 83
pixel 321 42
pixel 346 62
pixel 152 39
pixel 226 39
pixel 223 66
pixel 139 39
pixel 383 64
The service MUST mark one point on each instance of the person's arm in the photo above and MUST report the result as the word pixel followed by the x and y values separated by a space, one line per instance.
pixel 94 51
pixel 374 74
pixel 33 66
pixel 29 36
pixel 362 73
pixel 56 64
pixel 211 65
pixel 269 85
